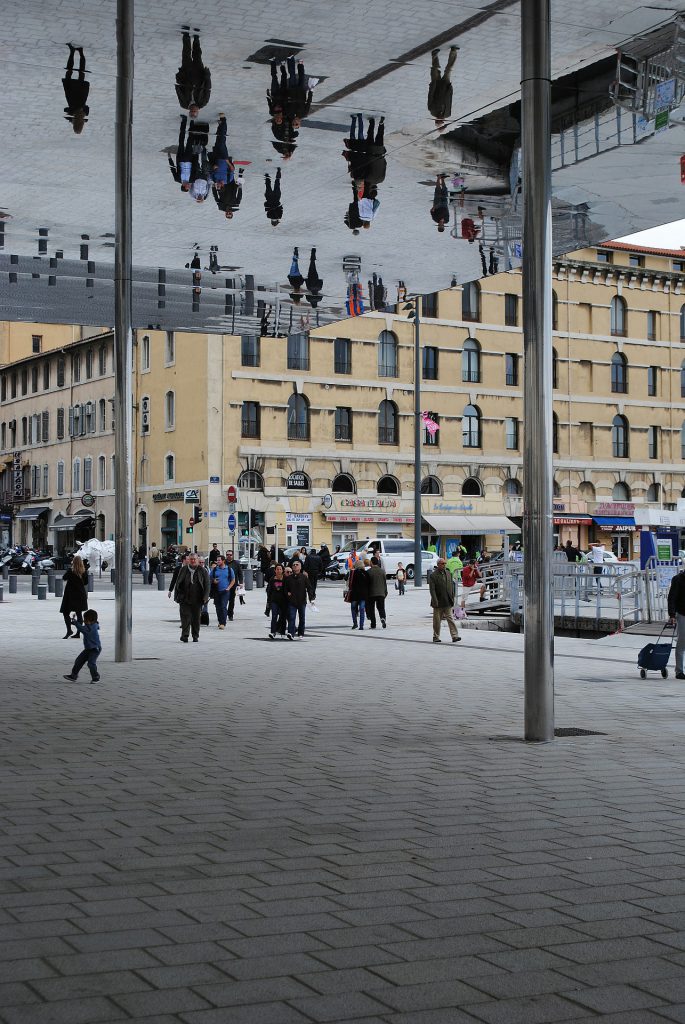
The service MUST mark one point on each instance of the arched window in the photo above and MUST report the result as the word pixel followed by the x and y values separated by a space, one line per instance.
pixel 472 488
pixel 653 493
pixel 470 301
pixel 587 491
pixel 556 489
pixel 343 483
pixel 251 480
pixel 621 492
pixel 102 473
pixel 619 317
pixel 555 369
pixel 88 473
pixel 298 418
pixel 512 488
pixel 102 415
pixel 619 437
pixel 470 427
pixel 388 427
pixel 388 485
pixel 387 354
pixel 170 410
pixel 555 311
pixel 555 433
pixel 169 467
pixel 619 373
pixel 470 362
pixel 682 322
pixel 169 528
pixel 431 485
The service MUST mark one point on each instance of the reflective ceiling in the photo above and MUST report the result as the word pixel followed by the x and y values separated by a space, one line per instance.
pixel 345 134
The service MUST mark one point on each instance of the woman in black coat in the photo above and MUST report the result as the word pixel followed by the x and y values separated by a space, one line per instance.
pixel 75 598
pixel 358 589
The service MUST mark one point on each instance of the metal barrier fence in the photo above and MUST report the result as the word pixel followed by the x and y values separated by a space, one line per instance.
pixel 617 593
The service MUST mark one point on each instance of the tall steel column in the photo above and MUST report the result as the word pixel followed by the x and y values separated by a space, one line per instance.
pixel 416 316
pixel 123 335
pixel 537 369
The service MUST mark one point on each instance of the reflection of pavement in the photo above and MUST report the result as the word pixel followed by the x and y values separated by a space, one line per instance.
pixel 345 829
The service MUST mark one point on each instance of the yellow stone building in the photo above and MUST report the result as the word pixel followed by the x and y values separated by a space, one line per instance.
pixel 317 430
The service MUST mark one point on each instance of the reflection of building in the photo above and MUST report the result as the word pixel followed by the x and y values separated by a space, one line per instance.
pixel 317 431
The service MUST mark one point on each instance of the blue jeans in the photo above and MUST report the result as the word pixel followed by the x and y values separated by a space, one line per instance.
pixel 358 606
pixel 221 605
pixel 296 610
pixel 91 656
pixel 278 619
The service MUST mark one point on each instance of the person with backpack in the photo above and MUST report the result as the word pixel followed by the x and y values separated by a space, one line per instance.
pixel 470 575
pixel 400 578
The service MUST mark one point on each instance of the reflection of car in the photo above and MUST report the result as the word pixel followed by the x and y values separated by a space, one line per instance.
pixel 609 556
pixel 289 552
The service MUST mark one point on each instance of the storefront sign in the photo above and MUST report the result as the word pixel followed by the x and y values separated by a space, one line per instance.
pixel 191 495
pixel 445 506
pixel 558 506
pixel 298 517
pixel 297 481
pixel 342 517
pixel 18 476
pixel 168 496
pixel 87 500
pixel 614 508
pixel 368 503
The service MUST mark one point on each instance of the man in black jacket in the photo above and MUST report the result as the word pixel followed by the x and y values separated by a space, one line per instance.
pixel 234 564
pixel 191 593
pixel 297 588
pixel 676 612
pixel 193 79
pixel 313 566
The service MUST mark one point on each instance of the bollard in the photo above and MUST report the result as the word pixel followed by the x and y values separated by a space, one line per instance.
pixel 2 593
pixel 258 578
pixel 35 580
pixel 42 591
pixel 59 586
pixel 111 575
pixel 5 572
pixel 13 584
pixel 247 579
pixel 51 582
pixel 91 583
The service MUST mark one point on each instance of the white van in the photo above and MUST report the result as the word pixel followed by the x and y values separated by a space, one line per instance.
pixel 392 551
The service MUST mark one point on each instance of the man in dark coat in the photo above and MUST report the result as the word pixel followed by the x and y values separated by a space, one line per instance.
pixel 358 592
pixel 441 586
pixel 440 88
pixel 76 90
pixel 313 566
pixel 440 210
pixel 297 588
pixel 193 79
pixel 191 593
pixel 272 198
pixel 378 591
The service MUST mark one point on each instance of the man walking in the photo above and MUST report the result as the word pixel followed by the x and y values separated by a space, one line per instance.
pixel 297 588
pixel 676 612
pixel 191 593
pixel 441 587
pixel 222 578
pixel 153 563
pixel 175 574
pixel 378 591
pixel 313 566
pixel 440 88
pixel 193 79
pixel 233 564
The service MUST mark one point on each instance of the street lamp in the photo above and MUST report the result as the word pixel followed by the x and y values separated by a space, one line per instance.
pixel 412 309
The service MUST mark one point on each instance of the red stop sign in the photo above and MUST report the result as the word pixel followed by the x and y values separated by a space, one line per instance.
pixel 232 494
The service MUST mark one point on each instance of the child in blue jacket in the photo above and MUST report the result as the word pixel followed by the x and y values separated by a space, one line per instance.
pixel 92 647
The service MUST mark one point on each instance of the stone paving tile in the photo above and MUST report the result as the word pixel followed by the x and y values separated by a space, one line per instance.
pixel 543 1009
pixel 66 1011
pixel 614 998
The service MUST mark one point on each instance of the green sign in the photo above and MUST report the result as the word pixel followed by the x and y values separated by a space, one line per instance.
pixel 664 550
pixel 661 121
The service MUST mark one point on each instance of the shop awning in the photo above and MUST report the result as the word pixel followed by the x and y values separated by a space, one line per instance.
pixel 457 526
pixel 32 513
pixel 69 522
pixel 569 519
pixel 615 522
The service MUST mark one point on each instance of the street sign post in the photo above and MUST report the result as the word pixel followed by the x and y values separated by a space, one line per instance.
pixel 232 494
pixel 231 523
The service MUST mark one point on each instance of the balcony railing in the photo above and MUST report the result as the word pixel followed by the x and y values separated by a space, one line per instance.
pixel 249 359
pixel 298 362
pixel 298 431
pixel 343 432
pixel 512 380
pixel 344 366
pixel 471 376
pixel 387 435
pixel 250 428
pixel 387 370
pixel 619 387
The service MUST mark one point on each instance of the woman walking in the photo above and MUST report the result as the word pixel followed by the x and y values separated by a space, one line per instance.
pixel 358 589
pixel 75 599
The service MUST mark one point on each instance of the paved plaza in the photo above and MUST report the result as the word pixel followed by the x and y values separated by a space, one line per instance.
pixel 345 828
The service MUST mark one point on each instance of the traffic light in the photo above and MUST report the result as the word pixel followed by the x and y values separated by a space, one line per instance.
pixel 197 513
pixel 253 518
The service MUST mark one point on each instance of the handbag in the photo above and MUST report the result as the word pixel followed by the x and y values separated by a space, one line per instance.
pixel 347 593
pixel 204 618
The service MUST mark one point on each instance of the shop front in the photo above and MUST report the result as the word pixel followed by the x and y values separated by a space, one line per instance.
pixel 572 524
pixel 32 524
pixel 615 527
pixel 70 531
pixel 478 524
pixel 350 517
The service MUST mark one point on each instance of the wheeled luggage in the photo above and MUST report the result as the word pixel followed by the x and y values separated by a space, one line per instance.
pixel 654 657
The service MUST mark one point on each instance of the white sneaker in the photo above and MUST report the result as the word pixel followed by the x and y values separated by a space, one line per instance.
pixel 272 636
pixel 290 636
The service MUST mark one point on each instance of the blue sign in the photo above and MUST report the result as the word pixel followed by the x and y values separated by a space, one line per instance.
pixel 214 480
pixel 231 522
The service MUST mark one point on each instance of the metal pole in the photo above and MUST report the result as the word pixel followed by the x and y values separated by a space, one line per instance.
pixel 538 608
pixel 123 336
pixel 418 575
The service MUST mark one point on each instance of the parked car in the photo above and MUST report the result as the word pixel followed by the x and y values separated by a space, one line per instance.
pixel 392 550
